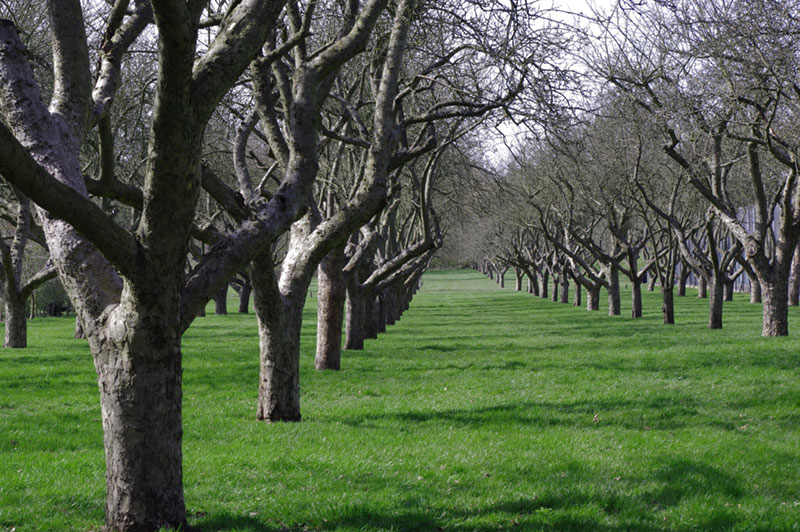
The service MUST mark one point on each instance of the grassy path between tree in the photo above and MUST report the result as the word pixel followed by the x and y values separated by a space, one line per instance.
pixel 482 409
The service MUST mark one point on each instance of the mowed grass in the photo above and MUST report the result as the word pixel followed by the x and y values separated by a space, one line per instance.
pixel 482 409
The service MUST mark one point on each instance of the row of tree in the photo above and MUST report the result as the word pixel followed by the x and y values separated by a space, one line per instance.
pixel 681 158
pixel 172 147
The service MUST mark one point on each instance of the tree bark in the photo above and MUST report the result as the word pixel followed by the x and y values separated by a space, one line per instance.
pixel 16 324
pixel 517 279
pixel 755 290
pixel 651 283
pixel 244 298
pixel 576 300
pixel 715 303
pixel 221 301
pixel 636 299
pixel 727 290
pixel 702 287
pixel 593 301
pixel 139 377
pixel 682 278
pixel 501 278
pixel 556 283
pixel 794 278
pixel 279 320
pixel 774 291
pixel 354 324
pixel 668 305
pixel 564 291
pixel 79 332
pixel 545 284
pixel 332 293
pixel 614 302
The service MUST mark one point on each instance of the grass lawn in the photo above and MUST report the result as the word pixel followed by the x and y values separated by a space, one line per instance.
pixel 480 410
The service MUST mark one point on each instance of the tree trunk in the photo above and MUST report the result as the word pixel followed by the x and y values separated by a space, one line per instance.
pixel 16 326
pixel 727 293
pixel 794 278
pixel 139 377
pixel 667 304
pixel 244 298
pixel 354 324
pixel 545 283
pixel 279 320
pixel 593 301
pixel 636 299
pixel 775 316
pixel 576 300
pixel 556 283
pixel 651 283
pixel 381 313
pixel 755 291
pixel 501 279
pixel 221 301
pixel 564 291
pixel 682 278
pixel 614 303
pixel 715 303
pixel 332 293
pixel 79 332
pixel 702 287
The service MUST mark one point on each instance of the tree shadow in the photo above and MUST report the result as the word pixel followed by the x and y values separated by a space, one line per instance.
pixel 617 509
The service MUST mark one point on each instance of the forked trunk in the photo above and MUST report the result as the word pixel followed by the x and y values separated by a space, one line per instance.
pixel 614 303
pixel 16 333
pixel 332 293
pixel 774 291
pixel 715 303
pixel 667 304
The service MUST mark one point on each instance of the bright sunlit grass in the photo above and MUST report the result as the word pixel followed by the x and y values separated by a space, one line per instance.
pixel 480 410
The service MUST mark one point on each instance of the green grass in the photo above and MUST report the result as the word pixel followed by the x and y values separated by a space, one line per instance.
pixel 475 412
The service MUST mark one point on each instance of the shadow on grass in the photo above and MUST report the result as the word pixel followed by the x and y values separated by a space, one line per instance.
pixel 635 505
pixel 662 413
